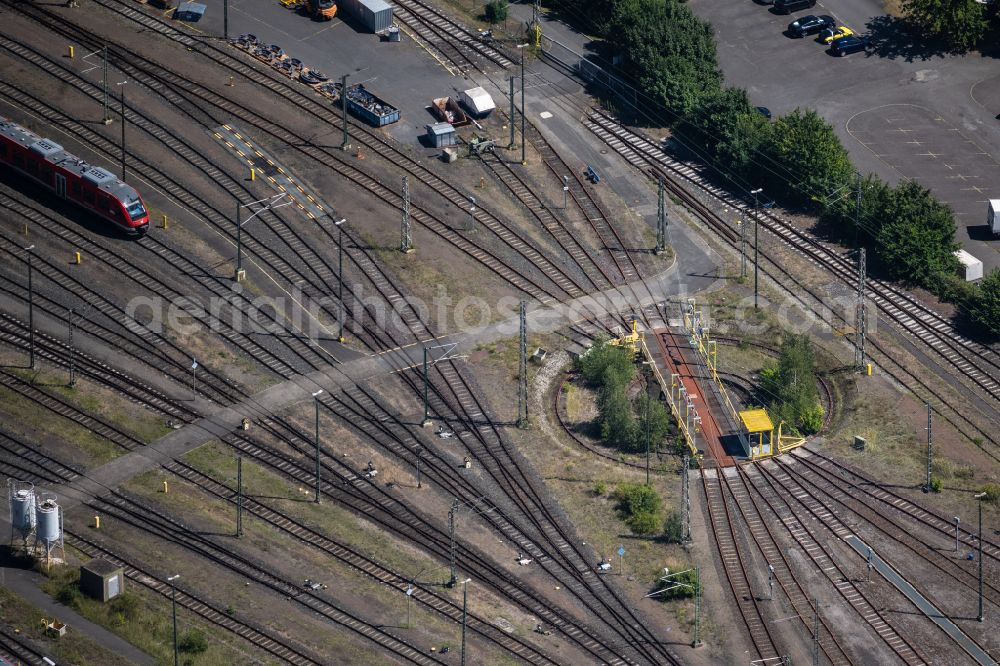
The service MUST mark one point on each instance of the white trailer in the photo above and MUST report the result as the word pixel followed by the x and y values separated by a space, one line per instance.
pixel 477 101
pixel 993 216
pixel 972 268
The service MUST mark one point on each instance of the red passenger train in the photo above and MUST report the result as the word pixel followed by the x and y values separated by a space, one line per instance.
pixel 90 187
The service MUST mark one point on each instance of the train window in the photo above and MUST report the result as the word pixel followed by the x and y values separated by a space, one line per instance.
pixel 135 208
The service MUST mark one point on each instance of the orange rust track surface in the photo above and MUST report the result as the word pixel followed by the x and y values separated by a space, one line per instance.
pixel 675 350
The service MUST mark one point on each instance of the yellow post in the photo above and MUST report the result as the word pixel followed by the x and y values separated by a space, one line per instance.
pixel 166 488
pixel 253 175
pixel 77 258
pixel 25 229
pixel 164 221
pixel 869 369
pixel 70 51
pixel 97 522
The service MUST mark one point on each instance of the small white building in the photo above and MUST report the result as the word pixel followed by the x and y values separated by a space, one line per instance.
pixel 477 101
pixel 972 268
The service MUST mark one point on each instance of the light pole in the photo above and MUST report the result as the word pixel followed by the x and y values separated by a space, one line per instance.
pixel 343 108
pixel 427 409
pixel 270 203
pixel 340 276
pixel 316 400
pixel 31 308
pixel 770 582
pixel 419 453
pixel 173 605
pixel 472 214
pixel 524 148
pixel 565 191
pixel 980 496
pixel 72 365
pixel 465 605
pixel 756 246
pixel 122 85
pixel 957 521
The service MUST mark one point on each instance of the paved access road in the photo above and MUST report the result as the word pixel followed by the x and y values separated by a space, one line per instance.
pixel 903 110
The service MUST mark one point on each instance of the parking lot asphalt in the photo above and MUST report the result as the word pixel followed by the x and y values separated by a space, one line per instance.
pixel 902 110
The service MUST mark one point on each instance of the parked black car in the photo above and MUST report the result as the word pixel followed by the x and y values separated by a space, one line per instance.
pixel 847 45
pixel 810 25
pixel 789 6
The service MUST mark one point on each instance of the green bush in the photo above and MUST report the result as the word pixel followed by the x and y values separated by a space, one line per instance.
pixel 125 604
pixel 790 386
pixel 600 487
pixel 193 642
pixel 605 364
pixel 496 11
pixel 644 523
pixel 992 491
pixel 673 528
pixel 984 307
pixel 636 498
pixel 936 484
pixel 681 586
pixel 69 595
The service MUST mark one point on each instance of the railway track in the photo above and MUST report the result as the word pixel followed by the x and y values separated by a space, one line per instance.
pixel 774 498
pixel 147 519
pixel 266 640
pixel 362 563
pixel 732 561
pixel 831 491
pixel 18 650
pixel 646 156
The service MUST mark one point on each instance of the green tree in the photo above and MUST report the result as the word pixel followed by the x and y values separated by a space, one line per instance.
pixel 653 422
pixel 605 363
pixel 667 50
pixel 616 419
pixel 959 23
pixel 644 523
pixel 984 307
pixel 673 527
pixel 790 385
pixel 841 215
pixel 813 162
pixel 496 11
pixel 729 132
pixel 915 241
pixel 636 498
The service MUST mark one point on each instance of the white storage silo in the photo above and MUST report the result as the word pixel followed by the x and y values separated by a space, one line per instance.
pixel 49 528
pixel 21 501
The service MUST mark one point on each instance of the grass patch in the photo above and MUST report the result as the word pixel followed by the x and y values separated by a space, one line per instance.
pixel 74 648
pixel 144 619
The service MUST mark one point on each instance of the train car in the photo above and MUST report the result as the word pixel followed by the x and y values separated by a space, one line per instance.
pixel 90 187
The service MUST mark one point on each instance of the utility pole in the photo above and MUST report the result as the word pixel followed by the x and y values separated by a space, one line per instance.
pixel 857 208
pixel 239 495
pixel 513 114
pixel 194 378
pixel 743 244
pixel 980 496
pixel 686 499
pixel 770 582
pixel 522 379
pixel 465 606
pixel 318 481
pixel 343 107
pixel 645 427
pixel 72 354
pixel 427 407
pixel 930 451
pixel 697 609
pixel 815 636
pixel 565 192
pixel 451 535
pixel 340 277
pixel 239 242
pixel 225 20
pixel 472 214
pixel 756 248
pixel 173 606
pixel 122 84
pixel 406 241
pixel 419 453
pixel 957 521
pixel 870 563
pixel 31 307
pixel 524 147
pixel 661 220
pixel 104 83
pixel 861 315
